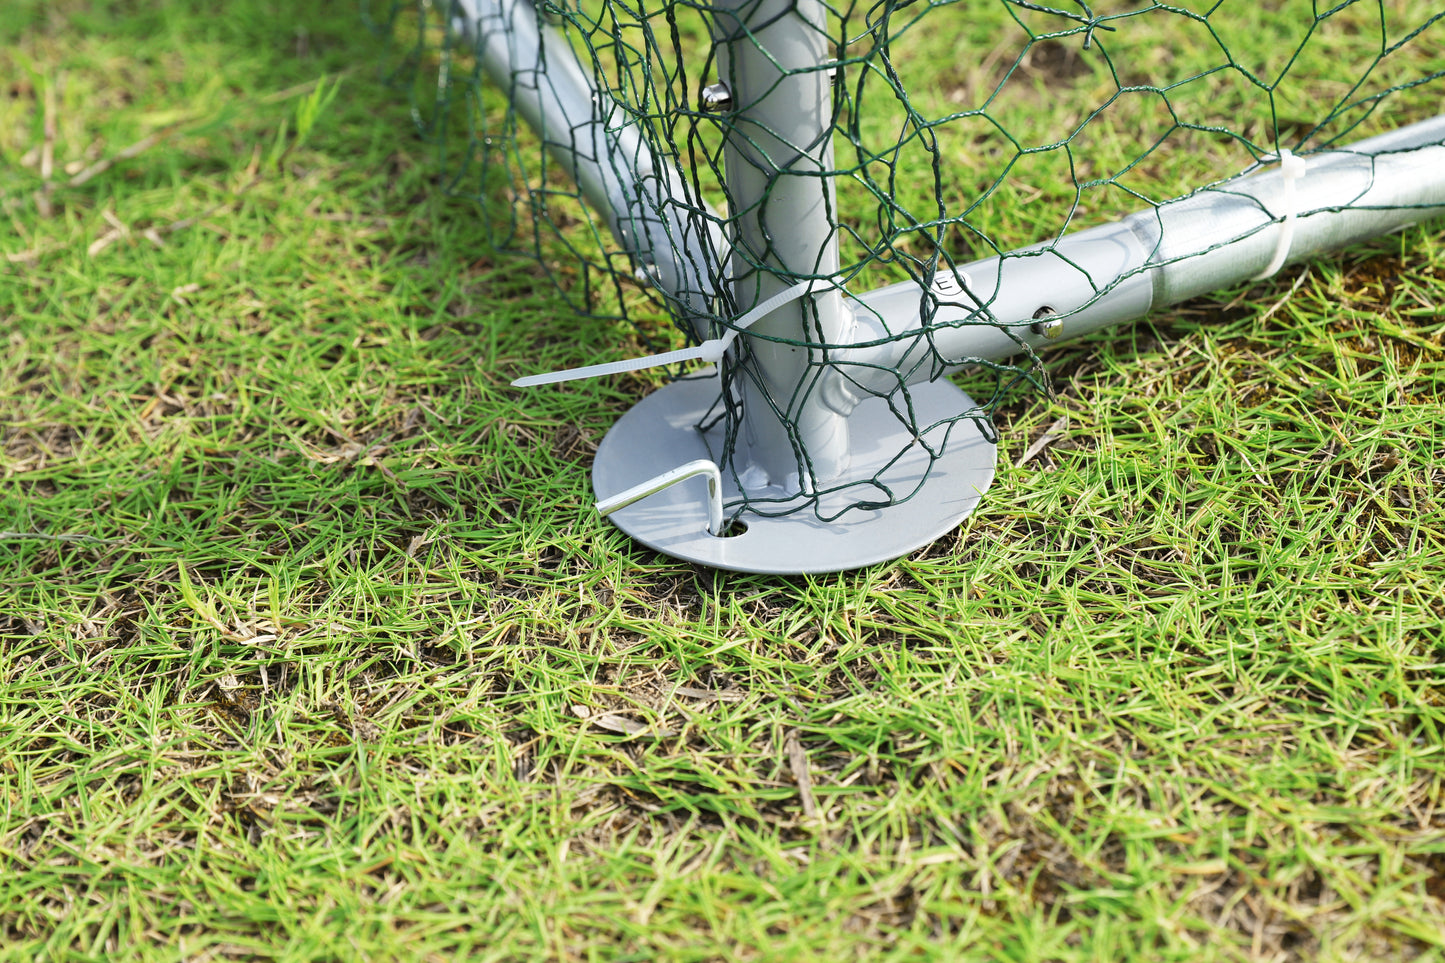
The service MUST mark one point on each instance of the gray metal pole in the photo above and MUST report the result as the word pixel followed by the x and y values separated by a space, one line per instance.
pixel 1107 275
pixel 777 113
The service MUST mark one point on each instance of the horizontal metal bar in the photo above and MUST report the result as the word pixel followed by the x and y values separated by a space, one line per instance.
pixel 1214 238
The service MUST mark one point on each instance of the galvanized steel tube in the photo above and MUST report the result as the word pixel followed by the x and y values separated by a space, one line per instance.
pixel 1106 275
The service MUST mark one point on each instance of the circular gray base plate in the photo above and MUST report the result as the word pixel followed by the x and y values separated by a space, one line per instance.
pixel 660 433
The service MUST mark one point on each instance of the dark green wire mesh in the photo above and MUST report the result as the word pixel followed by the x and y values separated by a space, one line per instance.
pixel 961 130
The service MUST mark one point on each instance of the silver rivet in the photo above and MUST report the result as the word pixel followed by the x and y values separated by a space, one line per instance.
pixel 716 97
pixel 1047 325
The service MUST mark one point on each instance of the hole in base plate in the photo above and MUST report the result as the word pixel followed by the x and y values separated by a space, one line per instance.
pixel 733 528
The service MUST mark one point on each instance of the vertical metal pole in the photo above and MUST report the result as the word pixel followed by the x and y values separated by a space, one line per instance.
pixel 772 56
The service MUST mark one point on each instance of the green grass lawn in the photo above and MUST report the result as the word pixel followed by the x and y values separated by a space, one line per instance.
pixel 312 645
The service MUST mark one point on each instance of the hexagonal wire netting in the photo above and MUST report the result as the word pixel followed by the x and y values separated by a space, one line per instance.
pixel 845 203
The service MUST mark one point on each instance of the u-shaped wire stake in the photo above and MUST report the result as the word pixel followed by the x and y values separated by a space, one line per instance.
pixel 666 480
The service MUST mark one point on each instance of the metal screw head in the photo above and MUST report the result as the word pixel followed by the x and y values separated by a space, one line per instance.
pixel 1047 325
pixel 716 97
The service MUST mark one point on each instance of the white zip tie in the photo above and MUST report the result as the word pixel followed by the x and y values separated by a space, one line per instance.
pixel 666 480
pixel 710 351
pixel 1292 168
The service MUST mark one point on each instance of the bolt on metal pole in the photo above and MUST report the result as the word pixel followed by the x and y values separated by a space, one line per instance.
pixel 776 106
